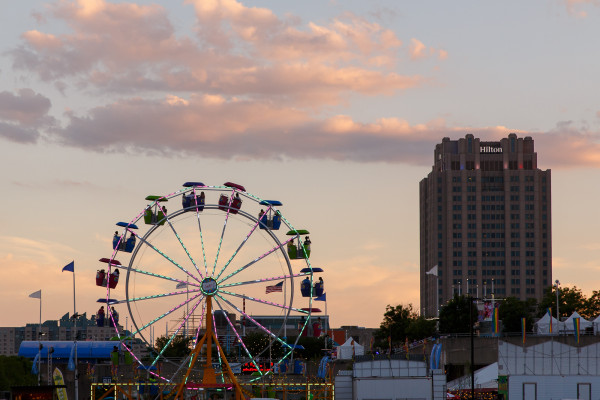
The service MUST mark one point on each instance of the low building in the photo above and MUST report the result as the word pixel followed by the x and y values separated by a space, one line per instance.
pixel 559 368
pixel 394 377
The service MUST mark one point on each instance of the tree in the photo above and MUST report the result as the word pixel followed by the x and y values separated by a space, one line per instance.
pixel 312 347
pixel 179 346
pixel 569 300
pixel 15 371
pixel 258 343
pixel 454 316
pixel 592 306
pixel 401 322
pixel 395 323
pixel 421 328
pixel 511 311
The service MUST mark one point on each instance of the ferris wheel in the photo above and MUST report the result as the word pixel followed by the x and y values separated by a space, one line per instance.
pixel 211 264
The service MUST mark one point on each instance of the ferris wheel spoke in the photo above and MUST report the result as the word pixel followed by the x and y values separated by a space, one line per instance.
pixel 155 320
pixel 275 278
pixel 238 249
pixel 201 236
pixel 141 271
pixel 169 259
pixel 156 296
pixel 240 341
pixel 274 249
pixel 223 232
pixel 187 316
pixel 270 303
pixel 197 335
pixel 181 242
pixel 256 323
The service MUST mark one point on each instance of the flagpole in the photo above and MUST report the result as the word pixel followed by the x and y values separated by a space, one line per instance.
pixel 75 339
pixel 437 296
pixel 326 323
pixel 40 344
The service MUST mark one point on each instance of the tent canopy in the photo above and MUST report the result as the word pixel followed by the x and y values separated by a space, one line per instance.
pixel 583 323
pixel 349 349
pixel 543 325
pixel 486 377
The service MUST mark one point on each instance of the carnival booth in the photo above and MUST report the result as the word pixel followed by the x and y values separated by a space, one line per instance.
pixel 350 349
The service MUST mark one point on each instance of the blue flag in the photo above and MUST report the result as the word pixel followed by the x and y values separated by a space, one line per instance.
pixel 322 297
pixel 69 267
pixel 71 364
pixel 34 368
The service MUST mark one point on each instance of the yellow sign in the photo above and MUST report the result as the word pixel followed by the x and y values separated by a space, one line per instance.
pixel 61 393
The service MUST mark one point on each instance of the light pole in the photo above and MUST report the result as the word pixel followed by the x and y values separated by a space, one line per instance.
pixel 557 314
pixel 470 297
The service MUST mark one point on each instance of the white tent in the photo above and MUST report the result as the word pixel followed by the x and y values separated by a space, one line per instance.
pixel 486 377
pixel 583 323
pixel 543 325
pixel 596 323
pixel 349 349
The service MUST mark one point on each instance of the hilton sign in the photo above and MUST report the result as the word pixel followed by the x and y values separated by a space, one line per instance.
pixel 490 149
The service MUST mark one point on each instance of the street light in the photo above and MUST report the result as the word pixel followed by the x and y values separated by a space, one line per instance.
pixel 557 314
pixel 471 323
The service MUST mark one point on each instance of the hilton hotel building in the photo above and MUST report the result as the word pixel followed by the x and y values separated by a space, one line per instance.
pixel 485 222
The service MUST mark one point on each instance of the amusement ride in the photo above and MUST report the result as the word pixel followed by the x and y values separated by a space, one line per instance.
pixel 213 259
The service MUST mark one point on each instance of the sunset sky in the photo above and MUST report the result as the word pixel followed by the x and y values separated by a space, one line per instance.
pixel 331 107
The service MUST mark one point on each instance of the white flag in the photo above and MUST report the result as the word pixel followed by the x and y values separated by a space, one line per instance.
pixel 36 295
pixel 433 271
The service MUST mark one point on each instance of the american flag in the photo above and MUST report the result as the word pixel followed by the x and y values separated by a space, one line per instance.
pixel 275 288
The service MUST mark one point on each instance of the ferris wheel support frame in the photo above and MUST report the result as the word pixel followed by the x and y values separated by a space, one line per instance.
pixel 209 378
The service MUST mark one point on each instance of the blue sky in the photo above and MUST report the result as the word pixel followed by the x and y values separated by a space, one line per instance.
pixel 333 108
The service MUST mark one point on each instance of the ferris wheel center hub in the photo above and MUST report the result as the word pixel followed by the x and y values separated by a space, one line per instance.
pixel 209 286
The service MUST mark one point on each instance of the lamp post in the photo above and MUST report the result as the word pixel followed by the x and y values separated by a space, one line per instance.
pixel 557 314
pixel 471 299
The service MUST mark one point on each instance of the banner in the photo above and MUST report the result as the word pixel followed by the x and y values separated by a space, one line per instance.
pixel 57 376
pixel 484 311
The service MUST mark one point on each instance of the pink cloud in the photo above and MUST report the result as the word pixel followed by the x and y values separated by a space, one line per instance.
pixel 220 127
pixel 22 114
pixel 418 50
pixel 250 84
pixel 26 107
pixel 123 47
pixel 574 6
